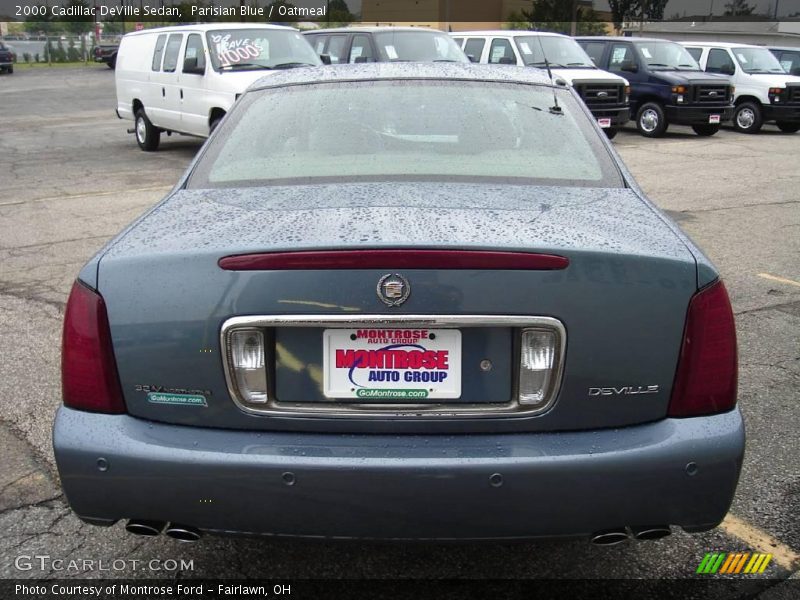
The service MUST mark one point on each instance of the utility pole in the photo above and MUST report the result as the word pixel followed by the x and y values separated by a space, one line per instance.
pixel 573 27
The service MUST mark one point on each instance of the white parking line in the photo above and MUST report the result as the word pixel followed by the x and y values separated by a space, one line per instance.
pixel 87 195
pixel 779 279
pixel 760 540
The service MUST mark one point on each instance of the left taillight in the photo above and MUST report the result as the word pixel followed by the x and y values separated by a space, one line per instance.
pixel 89 376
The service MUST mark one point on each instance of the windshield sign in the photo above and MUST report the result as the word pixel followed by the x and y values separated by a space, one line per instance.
pixel 560 52
pixel 757 60
pixel 661 56
pixel 251 49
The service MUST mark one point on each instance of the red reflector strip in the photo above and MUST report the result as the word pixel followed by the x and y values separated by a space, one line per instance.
pixel 394 259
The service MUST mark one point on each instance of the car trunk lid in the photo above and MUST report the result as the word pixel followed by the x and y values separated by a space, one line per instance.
pixel 622 300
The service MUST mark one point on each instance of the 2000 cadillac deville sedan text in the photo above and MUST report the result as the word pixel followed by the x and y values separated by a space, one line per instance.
pixel 402 301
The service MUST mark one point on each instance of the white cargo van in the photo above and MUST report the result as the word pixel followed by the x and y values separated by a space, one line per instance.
pixel 764 90
pixel 185 79
pixel 606 95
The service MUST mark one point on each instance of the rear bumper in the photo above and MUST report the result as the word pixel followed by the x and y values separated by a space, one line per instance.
pixel 694 115
pixel 400 487
pixel 788 113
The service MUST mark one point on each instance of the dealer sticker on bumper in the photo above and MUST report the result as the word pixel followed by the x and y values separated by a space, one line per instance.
pixel 605 123
pixel 713 119
pixel 392 365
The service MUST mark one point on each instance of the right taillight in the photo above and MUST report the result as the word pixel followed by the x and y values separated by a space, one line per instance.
pixel 706 379
pixel 88 370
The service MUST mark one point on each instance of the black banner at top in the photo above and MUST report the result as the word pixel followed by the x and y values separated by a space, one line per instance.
pixel 442 12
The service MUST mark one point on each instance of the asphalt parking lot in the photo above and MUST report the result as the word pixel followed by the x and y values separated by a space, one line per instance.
pixel 70 178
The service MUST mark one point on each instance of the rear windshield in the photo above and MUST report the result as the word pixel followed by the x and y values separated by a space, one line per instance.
pixel 255 49
pixel 417 46
pixel 406 130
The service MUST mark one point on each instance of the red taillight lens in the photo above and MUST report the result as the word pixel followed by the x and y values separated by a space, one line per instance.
pixel 394 259
pixel 705 382
pixel 89 377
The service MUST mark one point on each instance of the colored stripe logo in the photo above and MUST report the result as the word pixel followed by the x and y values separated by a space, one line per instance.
pixel 733 563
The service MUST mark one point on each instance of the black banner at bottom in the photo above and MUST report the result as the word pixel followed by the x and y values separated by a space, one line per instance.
pixel 378 589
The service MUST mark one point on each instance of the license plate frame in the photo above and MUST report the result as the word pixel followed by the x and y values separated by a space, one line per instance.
pixel 391 364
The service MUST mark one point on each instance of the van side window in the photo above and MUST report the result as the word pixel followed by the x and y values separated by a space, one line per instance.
pixel 790 61
pixel 195 49
pixel 335 50
pixel 318 41
pixel 719 61
pixel 621 54
pixel 595 51
pixel 501 52
pixel 171 54
pixel 696 53
pixel 159 51
pixel 474 48
pixel 361 50
pixel 459 41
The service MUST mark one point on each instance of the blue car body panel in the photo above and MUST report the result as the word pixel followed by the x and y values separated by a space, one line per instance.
pixel 401 487
pixel 587 463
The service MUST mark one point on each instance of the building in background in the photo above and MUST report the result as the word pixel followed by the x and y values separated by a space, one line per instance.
pixel 760 33
pixel 454 15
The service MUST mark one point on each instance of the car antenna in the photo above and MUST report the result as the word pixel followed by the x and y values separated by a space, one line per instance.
pixel 555 108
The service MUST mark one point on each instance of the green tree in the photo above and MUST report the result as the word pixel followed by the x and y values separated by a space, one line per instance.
pixel 40 24
pixel 60 54
pixel 81 24
pixel 516 20
pixel 636 10
pixel 338 13
pixel 738 8
pixel 73 55
pixel 557 16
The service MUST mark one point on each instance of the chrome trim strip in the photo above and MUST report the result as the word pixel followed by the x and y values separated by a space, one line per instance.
pixel 404 411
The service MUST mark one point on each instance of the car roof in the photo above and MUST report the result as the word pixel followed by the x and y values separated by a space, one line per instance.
pixel 405 70
pixel 203 27
pixel 789 48
pixel 506 33
pixel 619 38
pixel 368 29
pixel 719 44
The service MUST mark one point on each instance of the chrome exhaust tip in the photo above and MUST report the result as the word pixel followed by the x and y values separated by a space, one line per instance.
pixel 182 533
pixel 654 532
pixel 146 528
pixel 609 537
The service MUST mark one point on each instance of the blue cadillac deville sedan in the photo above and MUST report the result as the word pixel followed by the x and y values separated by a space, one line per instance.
pixel 402 301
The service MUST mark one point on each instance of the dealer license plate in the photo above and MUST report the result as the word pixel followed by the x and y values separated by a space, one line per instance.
pixel 604 123
pixel 391 364
pixel 713 119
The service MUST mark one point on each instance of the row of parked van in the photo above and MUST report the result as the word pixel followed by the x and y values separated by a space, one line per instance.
pixel 184 79
pixel 700 84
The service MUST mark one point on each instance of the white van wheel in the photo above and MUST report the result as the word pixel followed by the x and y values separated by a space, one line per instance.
pixel 147 135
